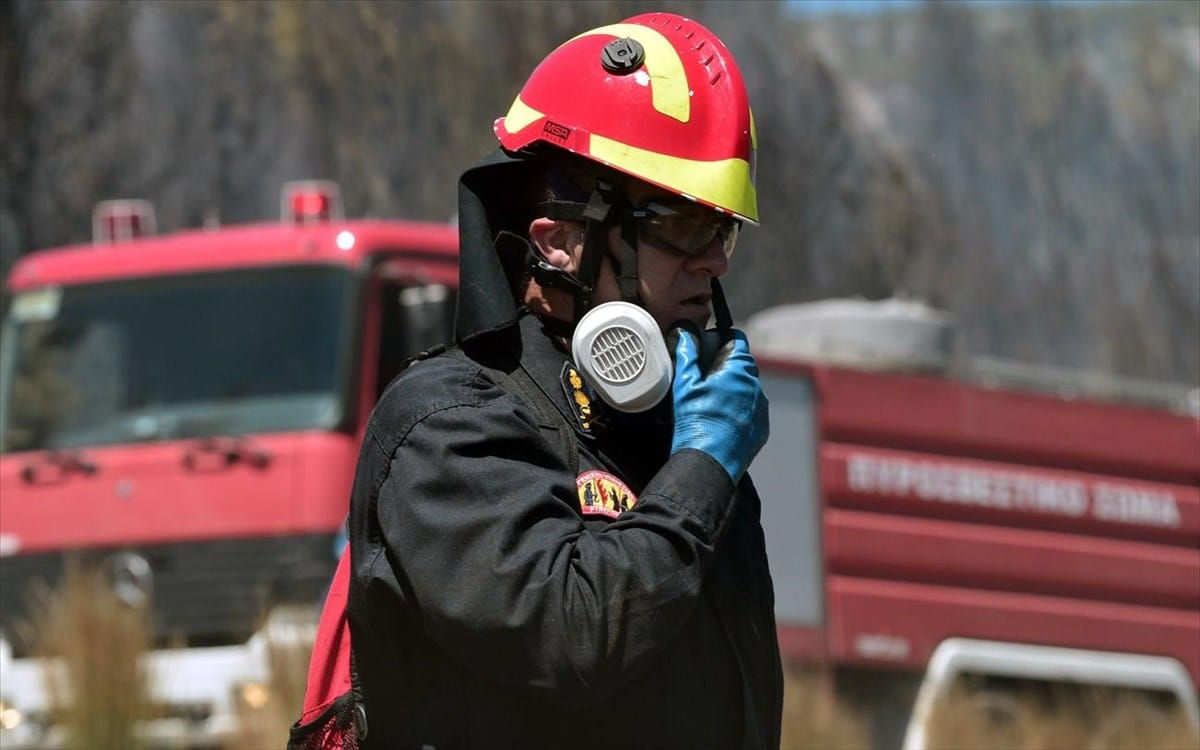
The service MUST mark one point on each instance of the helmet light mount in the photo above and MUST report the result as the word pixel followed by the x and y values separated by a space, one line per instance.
pixel 623 56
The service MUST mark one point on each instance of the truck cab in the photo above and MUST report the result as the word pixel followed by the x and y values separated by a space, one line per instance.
pixel 184 411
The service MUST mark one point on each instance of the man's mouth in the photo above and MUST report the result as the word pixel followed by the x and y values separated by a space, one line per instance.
pixel 697 299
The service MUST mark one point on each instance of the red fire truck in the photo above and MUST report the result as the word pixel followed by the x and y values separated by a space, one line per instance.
pixel 185 410
pixel 929 519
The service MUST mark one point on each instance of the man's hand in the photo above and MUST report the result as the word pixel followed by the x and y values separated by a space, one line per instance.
pixel 724 412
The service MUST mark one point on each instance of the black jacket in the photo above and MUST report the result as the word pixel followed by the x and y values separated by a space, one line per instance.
pixel 488 610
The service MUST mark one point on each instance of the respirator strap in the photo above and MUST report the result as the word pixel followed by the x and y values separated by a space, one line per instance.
pixel 561 210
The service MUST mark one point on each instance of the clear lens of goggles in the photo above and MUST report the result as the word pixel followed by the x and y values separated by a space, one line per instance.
pixel 686 228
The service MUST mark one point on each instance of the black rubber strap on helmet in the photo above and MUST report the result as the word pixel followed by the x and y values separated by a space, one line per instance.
pixel 546 275
pixel 560 210
pixel 601 205
pixel 598 214
pixel 626 263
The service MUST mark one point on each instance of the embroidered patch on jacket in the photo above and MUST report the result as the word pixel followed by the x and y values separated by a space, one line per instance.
pixel 602 494
pixel 577 395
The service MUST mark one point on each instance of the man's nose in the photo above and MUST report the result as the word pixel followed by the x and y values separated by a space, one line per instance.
pixel 711 260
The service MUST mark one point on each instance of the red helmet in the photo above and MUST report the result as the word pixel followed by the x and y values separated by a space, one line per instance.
pixel 657 96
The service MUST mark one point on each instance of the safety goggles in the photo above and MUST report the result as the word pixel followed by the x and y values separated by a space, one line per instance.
pixel 684 228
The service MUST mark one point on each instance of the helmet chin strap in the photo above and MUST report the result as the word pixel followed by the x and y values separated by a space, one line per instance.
pixel 598 214
pixel 626 265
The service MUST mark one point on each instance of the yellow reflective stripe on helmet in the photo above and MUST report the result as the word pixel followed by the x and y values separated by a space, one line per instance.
pixel 724 183
pixel 668 81
pixel 520 115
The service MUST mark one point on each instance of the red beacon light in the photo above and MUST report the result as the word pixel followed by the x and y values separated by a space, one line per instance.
pixel 310 202
pixel 121 221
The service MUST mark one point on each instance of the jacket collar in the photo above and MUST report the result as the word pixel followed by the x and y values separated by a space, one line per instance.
pixel 544 359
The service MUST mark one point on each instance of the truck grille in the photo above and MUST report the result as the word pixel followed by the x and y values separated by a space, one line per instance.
pixel 206 593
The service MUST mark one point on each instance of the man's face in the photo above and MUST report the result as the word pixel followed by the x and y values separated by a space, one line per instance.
pixel 673 284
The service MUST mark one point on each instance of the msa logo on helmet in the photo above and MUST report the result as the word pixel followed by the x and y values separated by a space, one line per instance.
pixel 556 131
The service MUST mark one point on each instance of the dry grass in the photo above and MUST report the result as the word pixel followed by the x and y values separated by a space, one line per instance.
pixel 814 718
pixel 99 639
pixel 266 726
pixel 974 716
pixel 101 691
pixel 1057 717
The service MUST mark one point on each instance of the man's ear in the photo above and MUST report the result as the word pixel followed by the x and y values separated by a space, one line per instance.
pixel 560 243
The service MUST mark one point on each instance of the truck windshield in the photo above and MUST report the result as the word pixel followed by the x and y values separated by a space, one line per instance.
pixel 165 358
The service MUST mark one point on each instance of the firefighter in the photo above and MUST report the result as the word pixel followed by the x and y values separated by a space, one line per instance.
pixel 536 562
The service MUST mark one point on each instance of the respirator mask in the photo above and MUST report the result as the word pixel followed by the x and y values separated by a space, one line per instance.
pixel 621 353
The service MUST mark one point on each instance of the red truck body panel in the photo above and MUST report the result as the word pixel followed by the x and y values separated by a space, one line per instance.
pixel 954 510
pixel 147 493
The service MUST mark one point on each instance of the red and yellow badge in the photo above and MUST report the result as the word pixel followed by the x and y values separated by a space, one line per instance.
pixel 602 494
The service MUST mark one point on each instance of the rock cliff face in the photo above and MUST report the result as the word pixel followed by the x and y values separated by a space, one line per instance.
pixel 1035 170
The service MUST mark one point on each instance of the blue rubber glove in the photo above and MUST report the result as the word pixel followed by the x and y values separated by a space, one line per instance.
pixel 723 413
